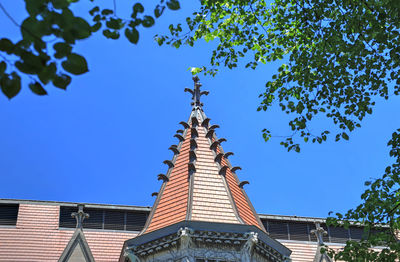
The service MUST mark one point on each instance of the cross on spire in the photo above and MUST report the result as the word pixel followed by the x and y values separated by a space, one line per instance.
pixel 319 232
pixel 196 93
pixel 80 216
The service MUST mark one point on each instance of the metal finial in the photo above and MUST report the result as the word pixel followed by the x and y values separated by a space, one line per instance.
pixel 196 93
pixel 80 216
pixel 319 232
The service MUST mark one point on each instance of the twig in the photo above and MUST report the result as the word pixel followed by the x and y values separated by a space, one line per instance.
pixel 15 23
pixel 115 7
pixel 8 15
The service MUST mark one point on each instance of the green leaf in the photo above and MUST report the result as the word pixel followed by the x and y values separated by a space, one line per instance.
pixel 137 8
pixel 96 27
pixel 11 86
pixel 3 67
pixel 75 64
pixel 29 63
pixel 94 10
pixel 111 34
pixel 25 67
pixel 158 11
pixel 62 49
pixel 34 7
pixel 33 29
pixel 148 21
pixel 48 73
pixel 60 4
pixel 81 28
pixel 37 89
pixel 132 35
pixel 107 12
pixel 62 81
pixel 345 136
pixel 173 4
pixel 195 70
pixel 6 45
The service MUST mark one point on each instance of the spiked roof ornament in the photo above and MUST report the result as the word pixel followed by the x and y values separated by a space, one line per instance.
pixel 320 256
pixel 162 177
pixel 319 232
pixel 80 216
pixel 174 149
pixel 245 182
pixel 227 154
pixel 196 93
pixel 233 169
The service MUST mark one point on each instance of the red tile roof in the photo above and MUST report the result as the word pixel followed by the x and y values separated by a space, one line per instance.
pixel 37 237
pixel 205 194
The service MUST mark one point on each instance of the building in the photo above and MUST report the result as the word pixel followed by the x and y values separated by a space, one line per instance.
pixel 201 213
pixel 40 230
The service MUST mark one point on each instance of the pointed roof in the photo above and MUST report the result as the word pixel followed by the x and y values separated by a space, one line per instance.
pixel 200 184
pixel 77 249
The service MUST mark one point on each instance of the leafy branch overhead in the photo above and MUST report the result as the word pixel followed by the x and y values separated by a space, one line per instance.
pixel 45 52
pixel 339 56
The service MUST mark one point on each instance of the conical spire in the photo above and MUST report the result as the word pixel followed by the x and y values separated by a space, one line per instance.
pixel 200 183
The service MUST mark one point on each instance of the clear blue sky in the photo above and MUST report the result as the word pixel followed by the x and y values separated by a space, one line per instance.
pixel 105 138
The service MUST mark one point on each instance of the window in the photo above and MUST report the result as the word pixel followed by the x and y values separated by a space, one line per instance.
pixel 110 219
pixel 8 214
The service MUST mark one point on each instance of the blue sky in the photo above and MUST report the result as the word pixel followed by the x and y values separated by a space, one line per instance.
pixel 105 138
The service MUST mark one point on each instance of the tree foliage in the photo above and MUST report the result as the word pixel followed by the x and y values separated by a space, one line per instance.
pixel 50 32
pixel 339 58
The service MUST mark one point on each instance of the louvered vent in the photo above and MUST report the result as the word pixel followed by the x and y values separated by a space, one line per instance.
pixel 299 231
pixel 66 220
pixel 357 233
pixel 114 220
pixel 338 234
pixel 278 229
pixel 135 220
pixel 105 219
pixel 95 220
pixel 8 214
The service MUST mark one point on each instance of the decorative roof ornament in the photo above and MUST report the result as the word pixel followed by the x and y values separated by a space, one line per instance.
pixel 77 248
pixel 80 216
pixel 319 233
pixel 196 93
pixel 241 184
